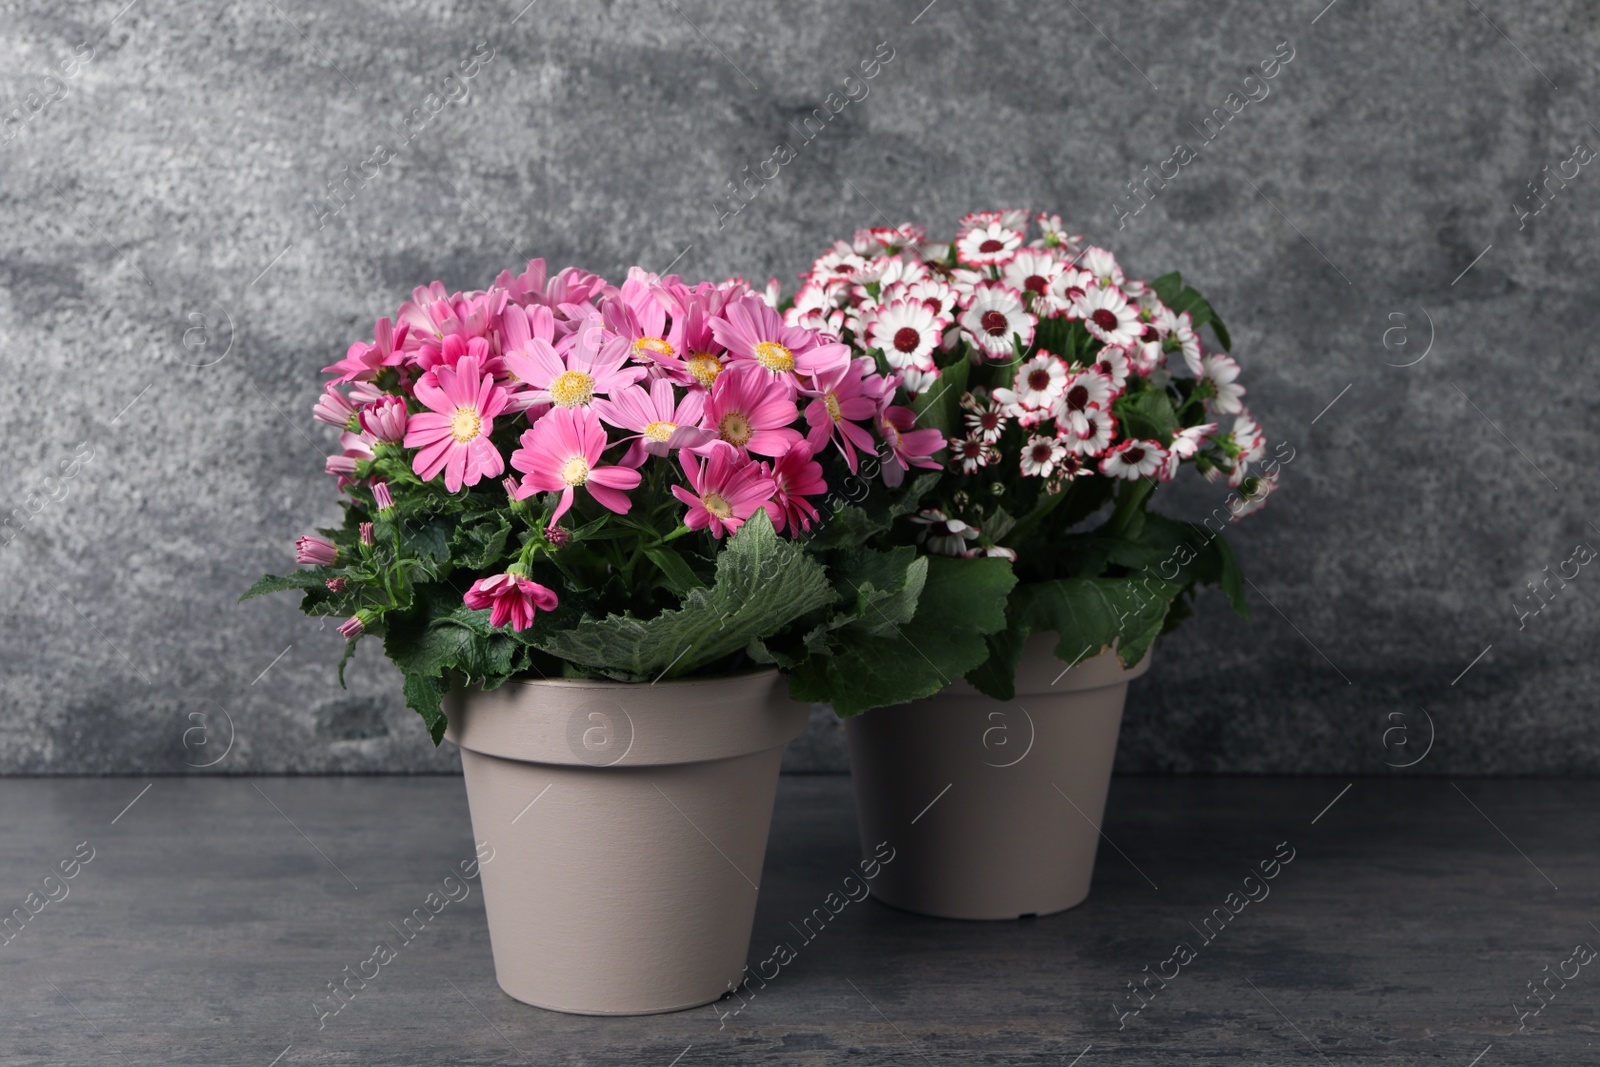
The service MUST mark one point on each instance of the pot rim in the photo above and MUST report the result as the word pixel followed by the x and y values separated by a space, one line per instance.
pixel 612 683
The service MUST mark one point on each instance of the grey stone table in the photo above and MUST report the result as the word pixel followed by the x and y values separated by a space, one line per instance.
pixel 210 915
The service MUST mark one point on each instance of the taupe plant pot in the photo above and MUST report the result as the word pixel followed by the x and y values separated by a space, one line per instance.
pixel 629 825
pixel 993 807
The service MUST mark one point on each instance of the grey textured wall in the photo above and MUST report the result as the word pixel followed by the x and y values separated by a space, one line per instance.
pixel 170 291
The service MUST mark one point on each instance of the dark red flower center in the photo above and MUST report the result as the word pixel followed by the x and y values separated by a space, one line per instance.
pixel 1133 456
pixel 1105 318
pixel 971 449
pixel 1150 333
pixel 1041 453
pixel 907 339
pixel 994 323
pixel 1034 283
pixel 1077 398
pixel 1039 380
pixel 991 246
pixel 989 420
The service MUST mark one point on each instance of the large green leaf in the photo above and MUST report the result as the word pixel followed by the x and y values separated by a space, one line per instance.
pixel 940 407
pixel 1148 414
pixel 762 583
pixel 1088 615
pixel 962 601
pixel 272 583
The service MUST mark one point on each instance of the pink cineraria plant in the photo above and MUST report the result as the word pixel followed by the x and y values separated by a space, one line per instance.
pixel 561 475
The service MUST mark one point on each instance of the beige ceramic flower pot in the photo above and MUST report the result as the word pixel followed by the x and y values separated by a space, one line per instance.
pixel 629 826
pixel 993 807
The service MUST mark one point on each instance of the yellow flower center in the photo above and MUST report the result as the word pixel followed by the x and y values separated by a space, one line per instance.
pixel 659 345
pixel 465 424
pixel 705 367
pixel 717 505
pixel 774 357
pixel 831 402
pixel 660 431
pixel 575 471
pixel 734 428
pixel 572 388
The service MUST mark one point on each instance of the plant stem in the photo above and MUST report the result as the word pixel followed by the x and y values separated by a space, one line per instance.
pixel 1129 501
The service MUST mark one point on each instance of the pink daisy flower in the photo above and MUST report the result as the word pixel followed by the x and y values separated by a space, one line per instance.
pixel 364 361
pixel 755 334
pixel 725 488
pixel 988 245
pixel 908 447
pixel 1108 316
pixel 750 411
pixel 573 377
pixel 1133 459
pixel 511 598
pixel 795 476
pixel 842 400
pixel 907 332
pixel 453 434
pixel 996 322
pixel 659 420
pixel 561 452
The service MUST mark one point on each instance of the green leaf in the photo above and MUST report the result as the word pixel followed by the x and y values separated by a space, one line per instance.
pixel 480 544
pixel 962 601
pixel 996 676
pixel 680 576
pixel 1088 615
pixel 940 407
pixel 424 694
pixel 272 583
pixel 1148 414
pixel 762 583
pixel 885 587
pixel 1167 287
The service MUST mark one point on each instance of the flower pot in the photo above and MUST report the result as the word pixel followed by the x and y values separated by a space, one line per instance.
pixel 993 807
pixel 629 826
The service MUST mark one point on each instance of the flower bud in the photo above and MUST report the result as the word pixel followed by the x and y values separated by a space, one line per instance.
pixel 315 552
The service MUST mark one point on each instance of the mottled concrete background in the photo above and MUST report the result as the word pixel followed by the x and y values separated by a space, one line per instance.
pixel 171 288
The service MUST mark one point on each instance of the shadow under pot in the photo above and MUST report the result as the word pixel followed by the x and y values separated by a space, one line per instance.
pixel 629 826
pixel 993 807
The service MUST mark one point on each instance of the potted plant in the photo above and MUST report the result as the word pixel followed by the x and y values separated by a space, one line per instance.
pixel 577 514
pixel 1069 392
